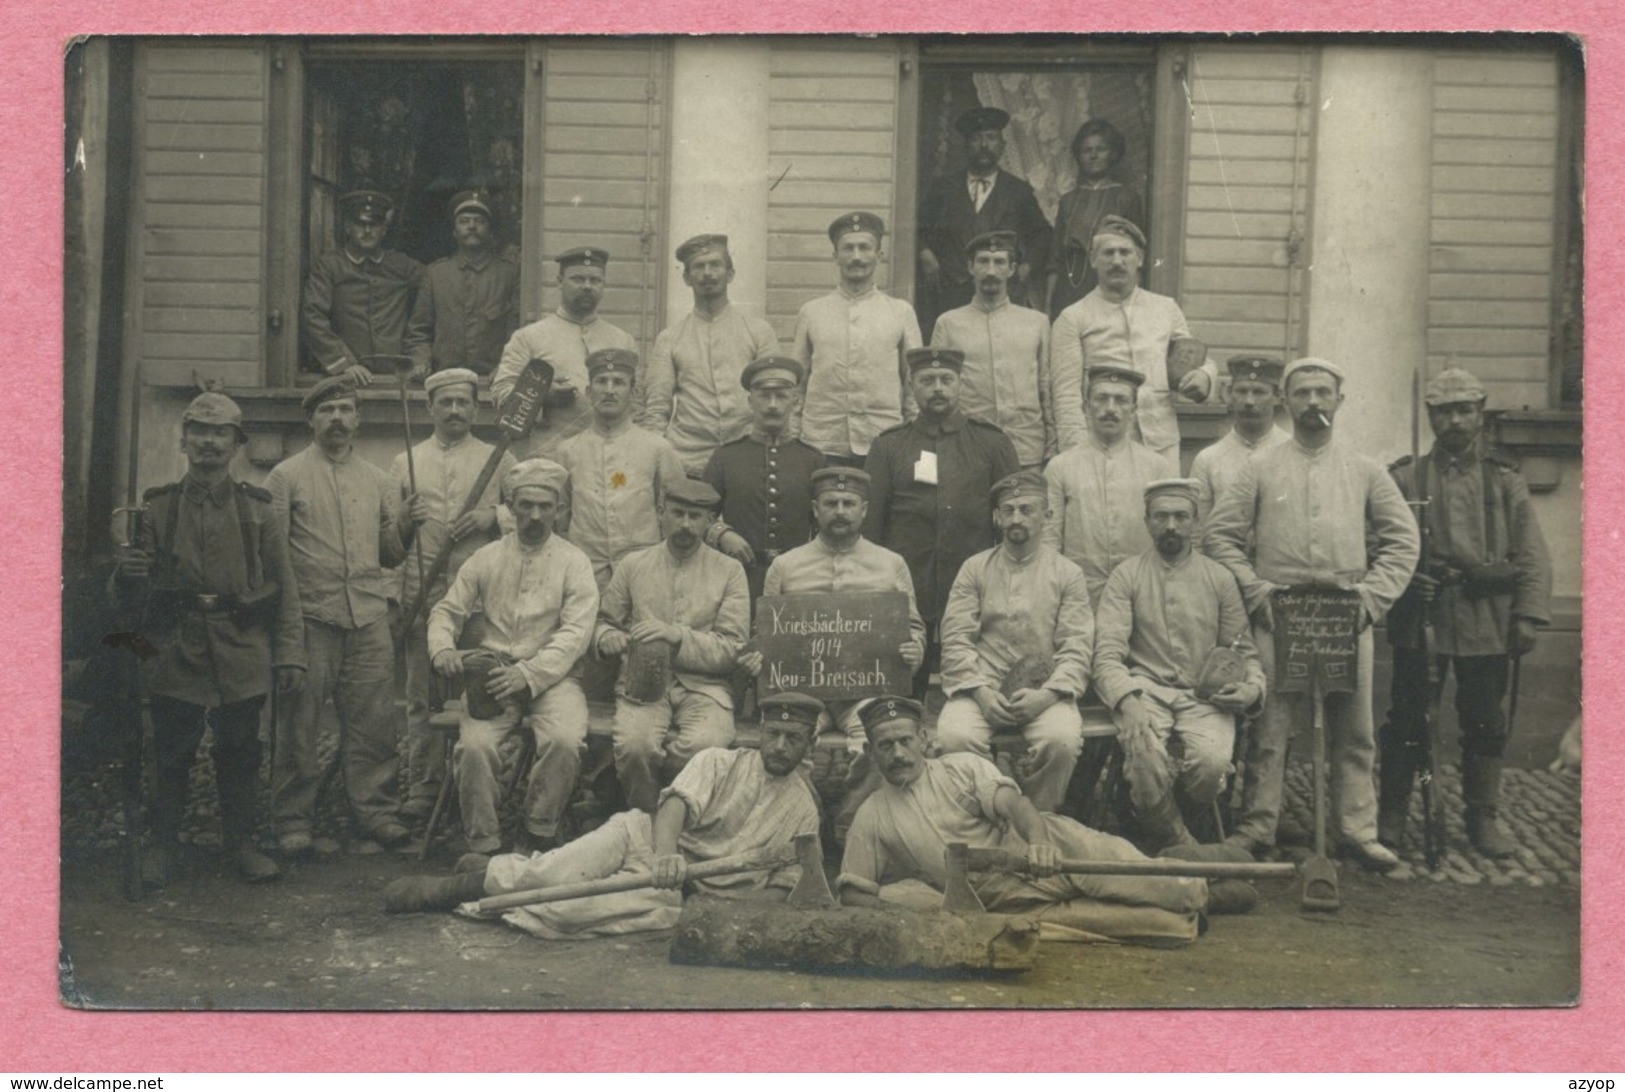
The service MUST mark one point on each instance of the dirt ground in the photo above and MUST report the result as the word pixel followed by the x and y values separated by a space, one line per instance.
pixel 319 939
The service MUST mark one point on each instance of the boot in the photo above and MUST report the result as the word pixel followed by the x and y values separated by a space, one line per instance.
pixel 1394 781
pixel 1481 792
pixel 415 894
pixel 252 865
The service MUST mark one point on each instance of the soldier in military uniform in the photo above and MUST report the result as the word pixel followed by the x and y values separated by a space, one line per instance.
pixel 929 483
pixel 765 477
pixel 358 297
pixel 220 602
pixel 468 305
pixel 568 336
pixel 1485 586
pixel 1255 394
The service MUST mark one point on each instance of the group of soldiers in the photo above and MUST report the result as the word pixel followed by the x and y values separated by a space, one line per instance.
pixel 1016 480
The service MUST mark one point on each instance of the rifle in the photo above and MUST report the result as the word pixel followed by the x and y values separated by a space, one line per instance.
pixel 513 424
pixel 128 716
pixel 1425 742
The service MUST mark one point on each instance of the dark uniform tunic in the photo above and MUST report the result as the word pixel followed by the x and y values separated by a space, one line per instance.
pixel 949 219
pixel 1478 512
pixel 357 307
pixel 766 489
pixel 465 312
pixel 214 657
pixel 936 527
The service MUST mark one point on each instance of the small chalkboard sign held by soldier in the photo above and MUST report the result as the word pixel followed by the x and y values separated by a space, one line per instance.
pixel 1317 647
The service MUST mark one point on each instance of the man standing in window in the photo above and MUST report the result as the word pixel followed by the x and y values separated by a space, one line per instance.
pixel 851 343
pixel 358 297
pixel 569 335
pixel 1005 379
pixel 692 393
pixel 959 207
pixel 468 305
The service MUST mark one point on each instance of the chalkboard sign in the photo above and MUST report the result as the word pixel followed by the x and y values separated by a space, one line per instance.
pixel 835 646
pixel 1317 636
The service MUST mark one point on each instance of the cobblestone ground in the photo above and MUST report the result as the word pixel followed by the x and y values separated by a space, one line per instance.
pixel 1540 811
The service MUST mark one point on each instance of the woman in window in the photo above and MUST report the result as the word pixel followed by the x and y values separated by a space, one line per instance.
pixel 1097 149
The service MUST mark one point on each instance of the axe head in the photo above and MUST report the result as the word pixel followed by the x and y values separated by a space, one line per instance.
pixel 524 403
pixel 958 897
pixel 812 889
pixel 1320 892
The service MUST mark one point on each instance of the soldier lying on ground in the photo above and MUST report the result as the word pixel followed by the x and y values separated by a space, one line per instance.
pixel 897 848
pixel 723 804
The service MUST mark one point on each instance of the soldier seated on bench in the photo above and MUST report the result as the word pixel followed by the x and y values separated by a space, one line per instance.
pixel 1017 638
pixel 1161 617
pixel 896 850
pixel 723 804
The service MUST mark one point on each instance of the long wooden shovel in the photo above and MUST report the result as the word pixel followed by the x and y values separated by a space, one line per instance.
pixel 514 424
pixel 1319 874
pixel 958 897
pixel 759 860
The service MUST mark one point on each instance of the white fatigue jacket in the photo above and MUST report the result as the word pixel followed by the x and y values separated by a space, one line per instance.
pixel 852 348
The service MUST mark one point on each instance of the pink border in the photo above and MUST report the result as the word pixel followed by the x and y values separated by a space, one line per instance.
pixel 37 1033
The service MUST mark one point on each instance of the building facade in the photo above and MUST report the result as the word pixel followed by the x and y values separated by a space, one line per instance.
pixel 1387 203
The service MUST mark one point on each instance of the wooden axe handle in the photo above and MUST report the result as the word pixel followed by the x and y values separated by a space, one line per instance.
pixel 756 861
pixel 1003 860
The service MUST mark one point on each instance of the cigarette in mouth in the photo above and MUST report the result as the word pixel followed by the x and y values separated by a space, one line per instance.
pixel 1325 422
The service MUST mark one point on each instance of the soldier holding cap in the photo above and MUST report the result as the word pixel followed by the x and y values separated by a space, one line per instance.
pixel 1161 614
pixel 569 335
pixel 724 804
pixel 695 602
pixel 764 477
pixel 850 344
pixel 358 298
pixel 221 605
pixel 983 197
pixel 448 463
pixel 929 482
pixel 692 394
pixel 1017 638
pixel 1333 517
pixel 345 523
pixel 1485 585
pixel 618 471
pixel 1097 489
pixel 1254 396
pixel 538 597
pixel 468 305
pixel 1005 378
pixel 1123 324
pixel 896 852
